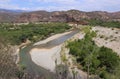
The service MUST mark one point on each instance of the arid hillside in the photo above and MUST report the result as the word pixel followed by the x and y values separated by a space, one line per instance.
pixel 57 16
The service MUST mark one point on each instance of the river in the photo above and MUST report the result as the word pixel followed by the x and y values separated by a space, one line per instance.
pixel 31 67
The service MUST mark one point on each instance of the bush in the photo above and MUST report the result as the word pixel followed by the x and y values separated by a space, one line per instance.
pixel 20 33
pixel 88 53
pixel 114 24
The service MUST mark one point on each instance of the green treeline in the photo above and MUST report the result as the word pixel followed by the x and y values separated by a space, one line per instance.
pixel 114 24
pixel 101 61
pixel 15 34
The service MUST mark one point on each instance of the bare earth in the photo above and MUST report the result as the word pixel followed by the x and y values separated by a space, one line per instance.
pixel 108 37
pixel 46 57
pixel 51 38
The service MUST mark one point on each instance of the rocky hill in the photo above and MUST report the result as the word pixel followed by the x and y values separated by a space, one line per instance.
pixel 9 15
pixel 57 16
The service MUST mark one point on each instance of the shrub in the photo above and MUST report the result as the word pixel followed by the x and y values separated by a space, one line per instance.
pixel 88 53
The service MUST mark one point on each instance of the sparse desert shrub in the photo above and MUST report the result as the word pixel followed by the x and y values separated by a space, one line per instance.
pixel 102 36
pixel 8 68
pixel 116 32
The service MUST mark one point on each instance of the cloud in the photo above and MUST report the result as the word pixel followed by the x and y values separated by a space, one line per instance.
pixel 58 1
pixel 52 5
pixel 2 1
pixel 86 5
pixel 102 5
pixel 52 8
pixel 8 6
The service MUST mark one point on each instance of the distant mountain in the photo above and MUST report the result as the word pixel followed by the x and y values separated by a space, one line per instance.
pixel 14 11
pixel 55 16
pixel 9 15
pixel 67 16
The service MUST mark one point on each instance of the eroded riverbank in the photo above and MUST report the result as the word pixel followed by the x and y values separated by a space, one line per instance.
pixel 28 60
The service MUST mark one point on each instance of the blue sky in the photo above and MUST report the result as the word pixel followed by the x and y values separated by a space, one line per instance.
pixel 53 5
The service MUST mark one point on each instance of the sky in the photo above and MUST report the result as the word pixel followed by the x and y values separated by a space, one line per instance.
pixel 60 5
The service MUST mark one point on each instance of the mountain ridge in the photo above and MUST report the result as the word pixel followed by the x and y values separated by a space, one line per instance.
pixel 57 16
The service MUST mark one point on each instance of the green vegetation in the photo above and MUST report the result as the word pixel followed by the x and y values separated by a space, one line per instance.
pixel 15 34
pixel 61 71
pixel 95 60
pixel 114 24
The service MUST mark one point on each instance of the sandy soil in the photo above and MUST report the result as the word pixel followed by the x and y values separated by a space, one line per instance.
pixel 46 58
pixel 15 55
pixel 108 37
pixel 51 38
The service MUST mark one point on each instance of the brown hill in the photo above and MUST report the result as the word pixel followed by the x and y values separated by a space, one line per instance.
pixel 57 16
pixel 7 17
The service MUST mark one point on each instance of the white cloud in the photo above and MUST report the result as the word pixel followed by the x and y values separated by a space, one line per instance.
pixel 52 5
pixel 13 7
pixel 2 1
pixel 8 6
pixel 59 1
pixel 85 5
pixel 52 8
pixel 102 5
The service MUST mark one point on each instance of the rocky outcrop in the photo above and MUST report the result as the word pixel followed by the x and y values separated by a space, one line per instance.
pixel 57 16
pixel 68 16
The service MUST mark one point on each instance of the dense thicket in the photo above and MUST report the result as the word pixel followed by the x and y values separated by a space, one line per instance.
pixel 114 24
pixel 100 60
pixel 34 32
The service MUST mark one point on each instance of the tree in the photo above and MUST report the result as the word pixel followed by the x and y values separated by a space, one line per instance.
pixel 94 60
